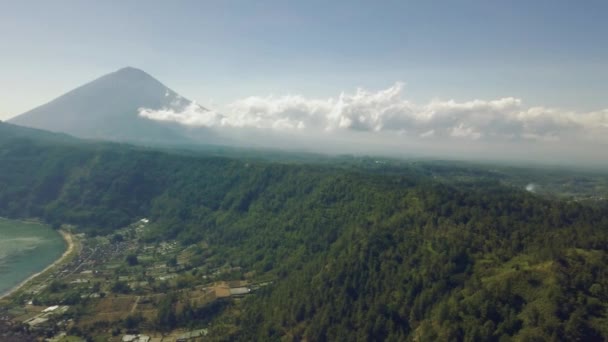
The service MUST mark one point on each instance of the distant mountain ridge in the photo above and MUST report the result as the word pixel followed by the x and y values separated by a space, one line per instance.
pixel 107 109
pixel 13 132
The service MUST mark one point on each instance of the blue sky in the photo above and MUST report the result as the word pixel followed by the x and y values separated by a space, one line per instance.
pixel 547 53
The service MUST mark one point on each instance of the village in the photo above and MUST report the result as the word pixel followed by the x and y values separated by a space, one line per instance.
pixel 116 287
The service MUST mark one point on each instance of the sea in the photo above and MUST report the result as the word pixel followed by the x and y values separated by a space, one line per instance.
pixel 26 248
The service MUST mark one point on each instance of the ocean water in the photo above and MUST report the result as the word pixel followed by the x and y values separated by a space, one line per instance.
pixel 26 248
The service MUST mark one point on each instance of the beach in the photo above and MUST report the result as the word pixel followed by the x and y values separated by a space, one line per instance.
pixel 69 239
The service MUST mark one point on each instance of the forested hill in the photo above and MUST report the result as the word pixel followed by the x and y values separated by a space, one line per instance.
pixel 353 254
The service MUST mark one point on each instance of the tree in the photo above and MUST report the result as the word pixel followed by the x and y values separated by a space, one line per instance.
pixel 172 262
pixel 121 287
pixel 132 260
pixel 133 321
pixel 166 317
pixel 117 238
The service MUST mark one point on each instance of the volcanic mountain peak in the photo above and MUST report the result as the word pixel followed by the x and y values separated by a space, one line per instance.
pixel 107 108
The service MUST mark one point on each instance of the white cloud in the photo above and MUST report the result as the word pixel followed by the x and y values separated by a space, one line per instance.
pixel 461 131
pixel 190 115
pixel 504 119
pixel 428 134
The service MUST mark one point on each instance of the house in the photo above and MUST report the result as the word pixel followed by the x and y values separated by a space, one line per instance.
pixel 239 291
pixel 136 338
pixel 192 335
pixel 51 308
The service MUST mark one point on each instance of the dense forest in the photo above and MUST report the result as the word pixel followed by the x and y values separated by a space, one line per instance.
pixel 355 253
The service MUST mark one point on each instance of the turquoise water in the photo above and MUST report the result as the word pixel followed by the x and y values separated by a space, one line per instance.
pixel 26 248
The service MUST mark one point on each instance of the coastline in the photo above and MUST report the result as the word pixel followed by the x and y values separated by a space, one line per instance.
pixel 69 239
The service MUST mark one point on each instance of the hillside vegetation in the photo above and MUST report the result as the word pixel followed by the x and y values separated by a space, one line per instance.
pixel 354 253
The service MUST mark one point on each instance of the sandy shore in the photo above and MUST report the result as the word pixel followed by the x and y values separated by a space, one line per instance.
pixel 69 239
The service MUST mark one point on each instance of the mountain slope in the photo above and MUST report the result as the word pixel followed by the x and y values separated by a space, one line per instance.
pixel 14 132
pixel 107 109
pixel 347 254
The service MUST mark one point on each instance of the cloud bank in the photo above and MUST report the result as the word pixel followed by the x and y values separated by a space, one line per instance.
pixel 387 111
